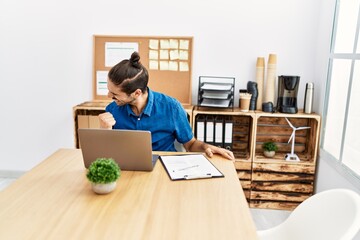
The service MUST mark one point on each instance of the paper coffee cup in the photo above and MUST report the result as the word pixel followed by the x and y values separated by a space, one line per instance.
pixel 245 101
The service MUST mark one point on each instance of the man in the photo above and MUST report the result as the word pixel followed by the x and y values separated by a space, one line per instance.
pixel 136 107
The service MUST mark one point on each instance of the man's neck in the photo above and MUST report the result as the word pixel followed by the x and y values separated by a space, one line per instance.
pixel 139 104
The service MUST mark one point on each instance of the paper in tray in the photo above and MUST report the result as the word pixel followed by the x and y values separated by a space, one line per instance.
pixel 214 86
pixel 215 102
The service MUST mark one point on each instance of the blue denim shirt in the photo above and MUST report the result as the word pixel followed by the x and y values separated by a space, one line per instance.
pixel 163 116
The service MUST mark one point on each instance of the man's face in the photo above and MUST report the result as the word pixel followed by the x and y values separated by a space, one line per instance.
pixel 118 96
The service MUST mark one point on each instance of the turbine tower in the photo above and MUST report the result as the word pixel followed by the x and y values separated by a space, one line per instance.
pixel 292 156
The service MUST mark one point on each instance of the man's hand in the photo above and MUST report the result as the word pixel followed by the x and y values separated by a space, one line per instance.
pixel 195 145
pixel 211 150
pixel 106 120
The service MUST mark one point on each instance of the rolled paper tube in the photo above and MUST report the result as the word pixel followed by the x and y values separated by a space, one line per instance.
pixel 260 74
pixel 270 79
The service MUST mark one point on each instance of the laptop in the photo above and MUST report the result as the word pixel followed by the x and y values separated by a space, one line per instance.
pixel 131 149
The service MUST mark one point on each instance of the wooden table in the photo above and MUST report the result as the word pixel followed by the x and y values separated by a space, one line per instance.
pixel 55 201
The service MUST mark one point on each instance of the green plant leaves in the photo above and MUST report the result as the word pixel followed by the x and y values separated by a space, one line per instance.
pixel 269 146
pixel 103 170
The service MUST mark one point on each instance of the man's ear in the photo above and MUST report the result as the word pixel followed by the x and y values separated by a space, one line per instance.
pixel 137 92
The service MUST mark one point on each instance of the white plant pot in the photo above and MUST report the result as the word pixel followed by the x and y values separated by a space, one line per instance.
pixel 269 154
pixel 103 188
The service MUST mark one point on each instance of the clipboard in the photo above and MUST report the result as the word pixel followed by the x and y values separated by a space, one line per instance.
pixel 189 166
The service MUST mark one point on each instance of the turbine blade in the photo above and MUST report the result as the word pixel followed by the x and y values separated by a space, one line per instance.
pixel 290 123
pixel 300 128
pixel 291 136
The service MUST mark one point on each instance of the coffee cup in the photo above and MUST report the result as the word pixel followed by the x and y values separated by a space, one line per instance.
pixel 245 101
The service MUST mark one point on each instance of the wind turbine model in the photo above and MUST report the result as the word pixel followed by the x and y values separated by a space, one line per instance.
pixel 292 156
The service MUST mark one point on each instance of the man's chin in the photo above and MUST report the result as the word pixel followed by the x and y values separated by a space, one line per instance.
pixel 120 103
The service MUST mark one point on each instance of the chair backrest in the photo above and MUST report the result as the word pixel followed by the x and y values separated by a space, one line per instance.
pixel 331 214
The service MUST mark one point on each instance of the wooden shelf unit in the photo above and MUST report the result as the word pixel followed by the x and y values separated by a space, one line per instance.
pixel 275 182
pixel 242 143
pixel 267 182
pixel 272 182
pixel 86 116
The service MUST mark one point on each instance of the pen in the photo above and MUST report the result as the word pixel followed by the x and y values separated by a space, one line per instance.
pixel 208 175
pixel 185 168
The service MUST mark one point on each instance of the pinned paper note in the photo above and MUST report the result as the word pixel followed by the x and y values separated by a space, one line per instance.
pixel 183 55
pixel 164 44
pixel 164 65
pixel 154 44
pixel 174 43
pixel 184 44
pixel 153 54
pixel 164 54
pixel 153 65
pixel 174 54
pixel 173 66
pixel 101 83
pixel 118 51
pixel 183 66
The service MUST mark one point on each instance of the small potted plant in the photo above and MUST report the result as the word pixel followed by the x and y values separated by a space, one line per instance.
pixel 103 174
pixel 269 149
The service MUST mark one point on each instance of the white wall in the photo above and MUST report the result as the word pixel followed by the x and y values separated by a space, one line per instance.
pixel 46 55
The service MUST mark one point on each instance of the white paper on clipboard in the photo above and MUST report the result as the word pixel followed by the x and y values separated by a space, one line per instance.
pixel 189 166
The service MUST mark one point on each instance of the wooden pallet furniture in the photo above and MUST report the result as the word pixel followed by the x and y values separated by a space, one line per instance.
pixel 267 182
pixel 275 182
pixel 243 126
pixel 86 116
pixel 272 182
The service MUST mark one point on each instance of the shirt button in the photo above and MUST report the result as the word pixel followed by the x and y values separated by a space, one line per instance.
pixel 138 119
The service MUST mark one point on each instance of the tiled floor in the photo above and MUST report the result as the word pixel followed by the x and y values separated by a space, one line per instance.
pixel 263 218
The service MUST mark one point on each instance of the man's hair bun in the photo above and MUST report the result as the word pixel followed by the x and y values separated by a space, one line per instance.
pixel 135 60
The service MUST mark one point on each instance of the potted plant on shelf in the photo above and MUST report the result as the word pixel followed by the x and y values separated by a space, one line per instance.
pixel 270 149
pixel 103 174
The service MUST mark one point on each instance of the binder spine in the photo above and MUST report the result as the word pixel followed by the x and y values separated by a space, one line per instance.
pixel 228 129
pixel 209 131
pixel 200 128
pixel 219 131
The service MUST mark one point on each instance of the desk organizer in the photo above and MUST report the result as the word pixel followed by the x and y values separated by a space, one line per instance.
pixel 217 92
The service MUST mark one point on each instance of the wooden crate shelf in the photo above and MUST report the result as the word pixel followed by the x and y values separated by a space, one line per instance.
pixel 242 136
pixel 86 116
pixel 242 140
pixel 243 126
pixel 243 169
pixel 275 182
pixel 279 184
pixel 267 182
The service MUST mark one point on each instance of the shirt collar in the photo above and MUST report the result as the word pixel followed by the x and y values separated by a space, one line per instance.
pixel 148 107
pixel 150 103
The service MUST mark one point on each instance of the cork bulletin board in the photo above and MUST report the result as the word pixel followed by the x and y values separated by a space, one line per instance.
pixel 167 59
